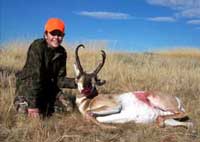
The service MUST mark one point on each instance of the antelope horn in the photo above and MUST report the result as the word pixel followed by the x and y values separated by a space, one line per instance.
pixel 103 54
pixel 77 58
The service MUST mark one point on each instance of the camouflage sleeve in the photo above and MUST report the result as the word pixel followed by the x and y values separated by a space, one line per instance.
pixel 34 61
pixel 66 82
pixel 63 81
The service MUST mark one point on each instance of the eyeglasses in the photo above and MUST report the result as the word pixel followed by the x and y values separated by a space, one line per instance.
pixel 57 33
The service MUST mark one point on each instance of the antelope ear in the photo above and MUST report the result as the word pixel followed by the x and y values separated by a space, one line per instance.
pixel 77 72
pixel 99 82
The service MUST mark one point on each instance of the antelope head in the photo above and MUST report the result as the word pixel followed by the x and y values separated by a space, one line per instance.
pixel 87 81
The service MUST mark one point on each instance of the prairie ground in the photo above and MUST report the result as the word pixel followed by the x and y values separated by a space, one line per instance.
pixel 176 72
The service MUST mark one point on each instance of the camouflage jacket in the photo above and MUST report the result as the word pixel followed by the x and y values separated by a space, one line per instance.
pixel 43 72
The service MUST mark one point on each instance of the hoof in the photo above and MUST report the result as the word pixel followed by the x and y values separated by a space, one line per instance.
pixel 160 122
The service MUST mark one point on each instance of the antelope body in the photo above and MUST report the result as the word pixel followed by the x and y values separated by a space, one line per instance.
pixel 138 106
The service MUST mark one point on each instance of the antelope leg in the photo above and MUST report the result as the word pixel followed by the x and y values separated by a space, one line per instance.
pixel 106 110
pixel 161 119
pixel 172 122
pixel 102 126
pixel 121 117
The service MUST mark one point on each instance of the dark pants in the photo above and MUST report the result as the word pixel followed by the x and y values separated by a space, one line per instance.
pixel 48 100
pixel 47 104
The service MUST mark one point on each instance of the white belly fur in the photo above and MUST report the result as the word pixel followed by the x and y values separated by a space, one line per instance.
pixel 132 110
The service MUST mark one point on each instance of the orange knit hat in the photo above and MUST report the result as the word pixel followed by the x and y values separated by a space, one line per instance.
pixel 55 24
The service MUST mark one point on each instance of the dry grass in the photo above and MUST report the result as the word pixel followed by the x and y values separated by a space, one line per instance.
pixel 171 72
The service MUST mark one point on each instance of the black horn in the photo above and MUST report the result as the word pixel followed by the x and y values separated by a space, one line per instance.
pixel 103 54
pixel 77 58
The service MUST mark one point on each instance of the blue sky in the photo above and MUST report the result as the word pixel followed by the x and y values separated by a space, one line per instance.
pixel 128 25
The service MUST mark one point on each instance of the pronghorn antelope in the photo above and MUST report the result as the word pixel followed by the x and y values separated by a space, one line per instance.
pixel 139 106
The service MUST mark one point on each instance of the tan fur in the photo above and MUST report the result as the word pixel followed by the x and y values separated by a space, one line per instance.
pixel 164 101
pixel 100 101
pixel 103 102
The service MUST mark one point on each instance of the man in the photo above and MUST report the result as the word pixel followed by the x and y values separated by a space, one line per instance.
pixel 44 73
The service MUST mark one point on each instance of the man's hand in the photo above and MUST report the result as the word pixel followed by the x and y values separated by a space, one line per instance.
pixel 33 112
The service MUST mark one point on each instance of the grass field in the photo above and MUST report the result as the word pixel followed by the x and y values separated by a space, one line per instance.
pixel 176 72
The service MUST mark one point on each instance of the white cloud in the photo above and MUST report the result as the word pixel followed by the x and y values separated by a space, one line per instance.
pixel 105 15
pixel 191 13
pixel 184 8
pixel 180 4
pixel 194 22
pixel 162 19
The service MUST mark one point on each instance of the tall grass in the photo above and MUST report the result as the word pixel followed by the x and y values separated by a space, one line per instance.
pixel 173 72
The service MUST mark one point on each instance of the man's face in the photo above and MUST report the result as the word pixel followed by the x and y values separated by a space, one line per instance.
pixel 54 38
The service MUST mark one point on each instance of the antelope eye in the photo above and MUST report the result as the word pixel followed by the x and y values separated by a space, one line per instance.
pixel 78 77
